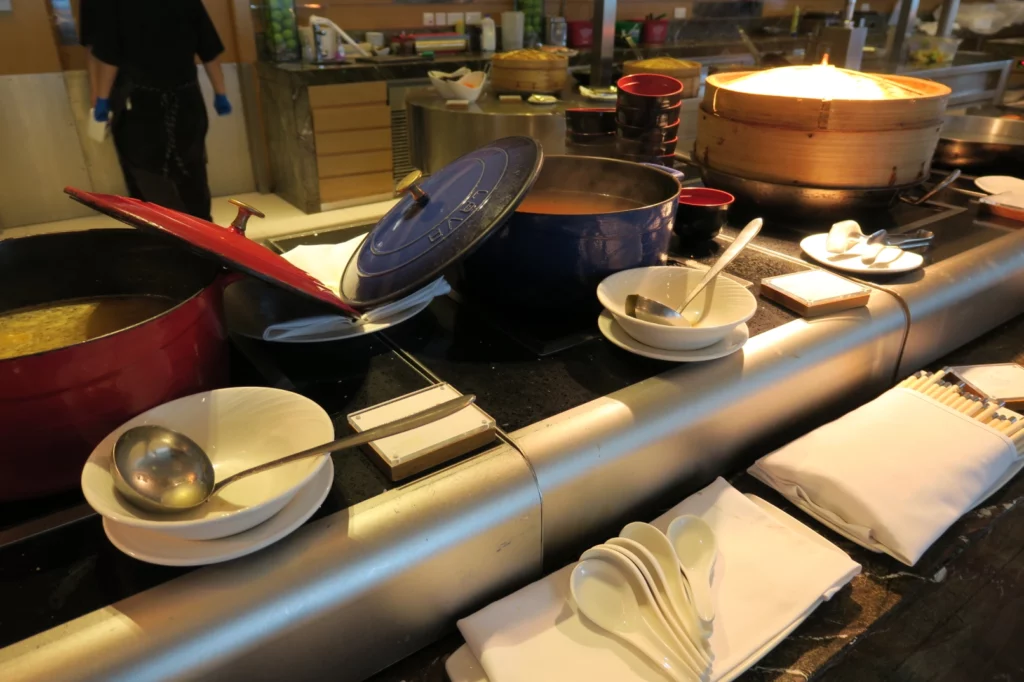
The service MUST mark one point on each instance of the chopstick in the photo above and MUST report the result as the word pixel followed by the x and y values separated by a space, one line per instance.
pixel 991 413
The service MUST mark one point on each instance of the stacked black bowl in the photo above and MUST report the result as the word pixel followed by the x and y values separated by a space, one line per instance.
pixel 647 118
pixel 590 132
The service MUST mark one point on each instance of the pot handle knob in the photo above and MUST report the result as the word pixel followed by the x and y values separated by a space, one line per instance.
pixel 408 185
pixel 244 211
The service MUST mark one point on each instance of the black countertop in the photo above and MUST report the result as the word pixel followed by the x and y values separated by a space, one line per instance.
pixel 355 71
pixel 522 372
pixel 892 622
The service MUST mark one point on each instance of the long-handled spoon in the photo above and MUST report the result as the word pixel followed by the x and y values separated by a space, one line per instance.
pixel 649 310
pixel 161 470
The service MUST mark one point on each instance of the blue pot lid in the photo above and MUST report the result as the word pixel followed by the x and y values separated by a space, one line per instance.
pixel 460 206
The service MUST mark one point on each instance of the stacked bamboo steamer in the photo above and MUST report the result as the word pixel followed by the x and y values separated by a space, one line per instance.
pixel 880 131
pixel 529 71
pixel 687 73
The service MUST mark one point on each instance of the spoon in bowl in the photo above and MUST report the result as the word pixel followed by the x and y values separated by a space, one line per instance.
pixel 161 470
pixel 695 545
pixel 649 310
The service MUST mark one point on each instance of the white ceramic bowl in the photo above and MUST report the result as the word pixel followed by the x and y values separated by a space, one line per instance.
pixel 731 306
pixel 469 87
pixel 238 428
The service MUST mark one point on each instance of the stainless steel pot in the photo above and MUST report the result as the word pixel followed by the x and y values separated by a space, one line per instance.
pixel 803 203
pixel 981 144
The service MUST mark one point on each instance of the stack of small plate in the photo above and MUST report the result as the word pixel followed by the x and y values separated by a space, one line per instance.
pixel 721 332
pixel 238 428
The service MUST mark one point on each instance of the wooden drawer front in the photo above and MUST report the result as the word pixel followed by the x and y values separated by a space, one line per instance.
pixel 355 187
pixel 337 165
pixel 376 116
pixel 348 94
pixel 353 141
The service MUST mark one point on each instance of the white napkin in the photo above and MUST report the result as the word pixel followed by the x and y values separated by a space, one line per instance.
pixel 770 574
pixel 327 263
pixel 894 474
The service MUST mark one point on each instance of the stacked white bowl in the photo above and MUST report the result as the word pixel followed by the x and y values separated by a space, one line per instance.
pixel 730 306
pixel 238 428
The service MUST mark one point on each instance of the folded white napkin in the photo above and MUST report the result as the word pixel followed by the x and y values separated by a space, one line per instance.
pixel 327 263
pixel 894 474
pixel 770 574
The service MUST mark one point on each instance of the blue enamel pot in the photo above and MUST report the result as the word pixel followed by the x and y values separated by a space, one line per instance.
pixel 546 260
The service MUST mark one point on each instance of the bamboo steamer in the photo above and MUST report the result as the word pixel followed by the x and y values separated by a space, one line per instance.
pixel 529 71
pixel 834 143
pixel 834 114
pixel 687 73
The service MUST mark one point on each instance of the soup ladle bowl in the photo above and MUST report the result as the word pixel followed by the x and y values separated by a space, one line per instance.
pixel 163 471
pixel 650 310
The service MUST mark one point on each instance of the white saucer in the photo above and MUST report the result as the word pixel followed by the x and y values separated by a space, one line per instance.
pixel 157 548
pixel 814 246
pixel 251 306
pixel 997 184
pixel 617 335
pixel 357 329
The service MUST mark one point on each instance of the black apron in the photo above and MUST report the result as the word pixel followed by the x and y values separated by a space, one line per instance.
pixel 160 136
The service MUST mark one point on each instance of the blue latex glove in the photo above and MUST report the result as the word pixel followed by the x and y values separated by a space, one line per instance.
pixel 101 112
pixel 221 105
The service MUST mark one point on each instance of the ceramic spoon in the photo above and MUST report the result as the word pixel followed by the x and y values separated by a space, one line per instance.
pixel 610 593
pixel 695 545
pixel 648 566
pixel 659 547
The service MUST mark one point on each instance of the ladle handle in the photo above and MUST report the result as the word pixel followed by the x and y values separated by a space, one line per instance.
pixel 413 421
pixel 738 244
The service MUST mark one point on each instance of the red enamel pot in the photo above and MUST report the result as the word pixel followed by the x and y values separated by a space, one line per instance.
pixel 56 405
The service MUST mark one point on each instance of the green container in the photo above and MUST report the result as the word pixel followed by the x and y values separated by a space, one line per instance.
pixel 280 30
pixel 631 28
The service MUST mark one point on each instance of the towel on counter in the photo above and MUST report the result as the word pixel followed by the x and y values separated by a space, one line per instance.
pixel 893 474
pixel 771 572
pixel 327 263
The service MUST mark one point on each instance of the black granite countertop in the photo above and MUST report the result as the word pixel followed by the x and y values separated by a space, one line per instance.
pixel 356 71
pixel 954 617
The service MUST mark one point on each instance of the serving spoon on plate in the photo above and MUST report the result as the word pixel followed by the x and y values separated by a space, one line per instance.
pixel 161 470
pixel 649 310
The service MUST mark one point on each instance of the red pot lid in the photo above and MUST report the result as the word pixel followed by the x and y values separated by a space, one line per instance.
pixel 229 245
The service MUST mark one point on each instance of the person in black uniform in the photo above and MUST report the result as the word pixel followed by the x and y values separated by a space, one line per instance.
pixel 143 74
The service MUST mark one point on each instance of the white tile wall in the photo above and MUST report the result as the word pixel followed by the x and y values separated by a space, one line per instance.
pixel 44 147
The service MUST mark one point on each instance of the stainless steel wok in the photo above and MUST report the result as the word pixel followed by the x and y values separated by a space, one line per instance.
pixel 981 144
pixel 802 203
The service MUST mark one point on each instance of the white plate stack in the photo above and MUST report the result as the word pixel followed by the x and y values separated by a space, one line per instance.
pixel 238 428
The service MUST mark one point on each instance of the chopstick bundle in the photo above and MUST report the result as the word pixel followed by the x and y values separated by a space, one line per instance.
pixel 987 411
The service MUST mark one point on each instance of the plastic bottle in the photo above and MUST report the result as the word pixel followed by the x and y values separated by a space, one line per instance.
pixel 488 36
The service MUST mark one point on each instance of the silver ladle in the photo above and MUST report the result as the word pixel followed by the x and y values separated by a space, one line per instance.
pixel 649 310
pixel 161 470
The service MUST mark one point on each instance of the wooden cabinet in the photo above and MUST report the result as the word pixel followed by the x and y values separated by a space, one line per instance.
pixel 352 130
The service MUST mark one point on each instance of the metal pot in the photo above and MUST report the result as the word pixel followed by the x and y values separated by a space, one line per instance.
pixel 540 260
pixel 56 405
pixel 801 203
pixel 981 144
